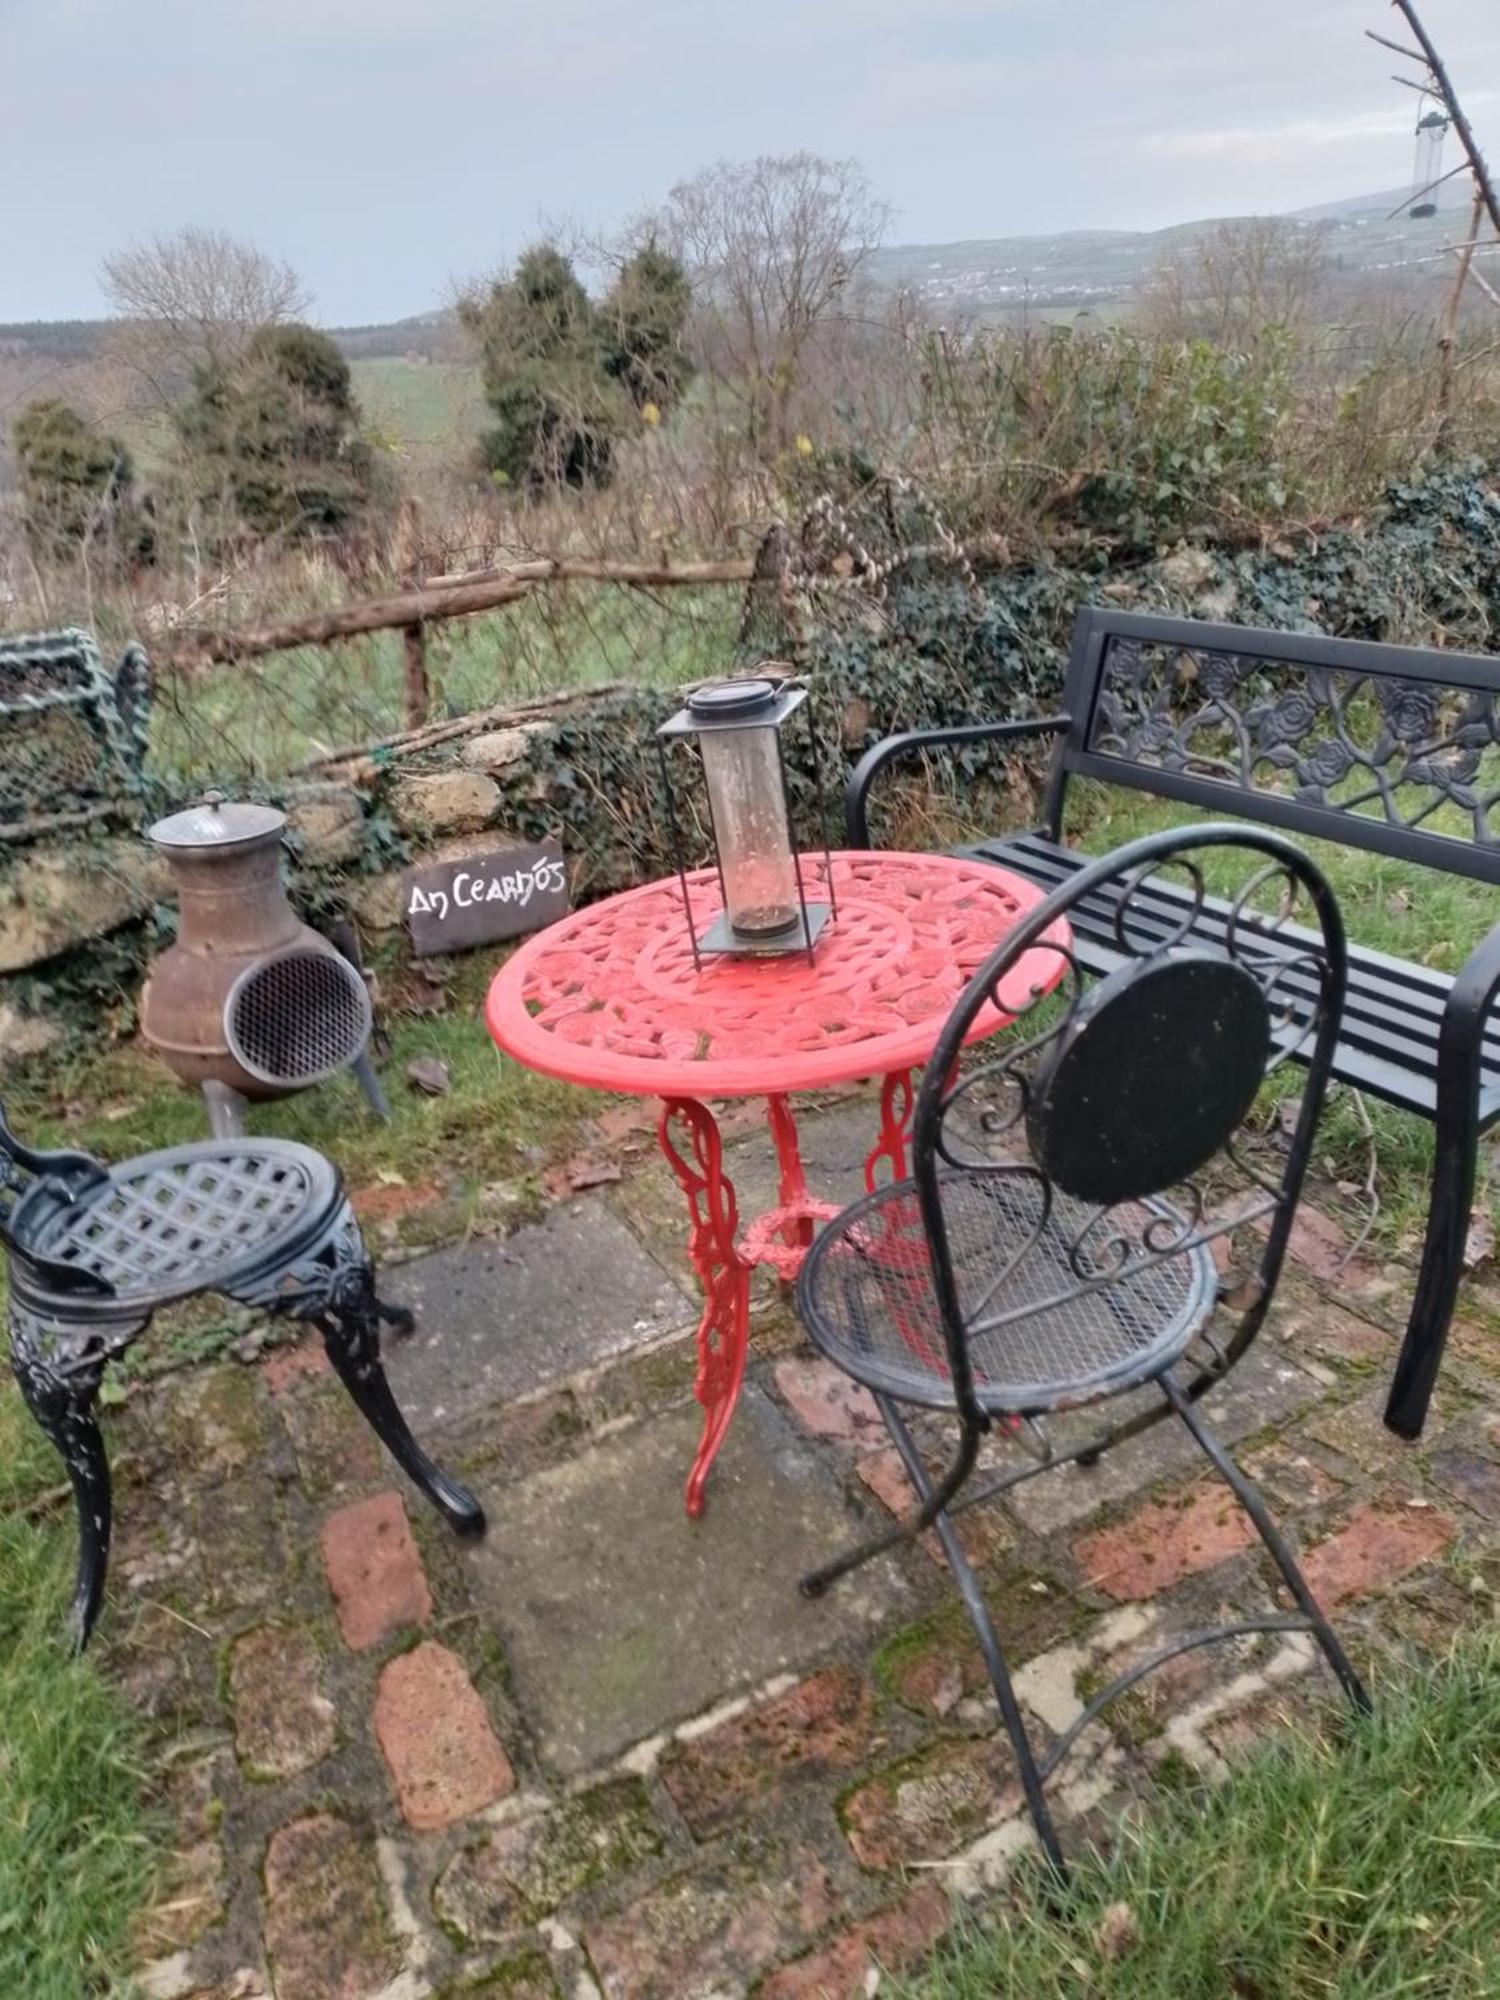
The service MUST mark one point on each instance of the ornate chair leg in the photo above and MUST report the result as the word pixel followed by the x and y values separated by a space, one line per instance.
pixel 58 1372
pixel 350 1325
pixel 984 1631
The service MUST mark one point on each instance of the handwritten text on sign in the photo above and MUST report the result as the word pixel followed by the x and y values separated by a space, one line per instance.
pixel 453 904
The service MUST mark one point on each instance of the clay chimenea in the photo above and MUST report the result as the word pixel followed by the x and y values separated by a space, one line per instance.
pixel 249 1002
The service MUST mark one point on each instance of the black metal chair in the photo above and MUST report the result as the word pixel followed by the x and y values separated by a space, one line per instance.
pixel 94 1251
pixel 1088 1187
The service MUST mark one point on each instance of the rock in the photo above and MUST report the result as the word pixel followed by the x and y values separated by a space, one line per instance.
pixel 56 897
pixel 329 824
pixel 429 1075
pixel 283 1721
pixel 25 1034
pixel 1217 605
pixel 496 749
pixel 1187 570
pixel 326 1929
pixel 444 802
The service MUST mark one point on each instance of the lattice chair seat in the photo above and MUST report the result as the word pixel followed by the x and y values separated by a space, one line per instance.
pixel 188 1218
pixel 1023 1259
pixel 93 1251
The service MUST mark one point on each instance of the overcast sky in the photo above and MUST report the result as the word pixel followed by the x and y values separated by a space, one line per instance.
pixel 386 147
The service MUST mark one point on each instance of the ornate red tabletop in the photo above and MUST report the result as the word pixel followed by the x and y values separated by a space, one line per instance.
pixel 611 997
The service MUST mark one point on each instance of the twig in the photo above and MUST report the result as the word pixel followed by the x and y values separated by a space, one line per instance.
pixel 1372 1193
pixel 1410 200
pixel 1412 55
pixel 155 1604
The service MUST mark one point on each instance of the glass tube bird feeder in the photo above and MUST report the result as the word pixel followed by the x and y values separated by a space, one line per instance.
pixel 738 728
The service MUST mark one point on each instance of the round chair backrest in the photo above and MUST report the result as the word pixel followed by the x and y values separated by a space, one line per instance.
pixel 298 1017
pixel 1120 1098
pixel 1152 1072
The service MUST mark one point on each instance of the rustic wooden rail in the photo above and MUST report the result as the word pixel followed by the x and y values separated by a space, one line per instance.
pixel 467 592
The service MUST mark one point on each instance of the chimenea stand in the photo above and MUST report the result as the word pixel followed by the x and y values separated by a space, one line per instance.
pixel 249 1002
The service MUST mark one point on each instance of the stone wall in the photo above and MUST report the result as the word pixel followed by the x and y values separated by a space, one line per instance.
pixel 80 917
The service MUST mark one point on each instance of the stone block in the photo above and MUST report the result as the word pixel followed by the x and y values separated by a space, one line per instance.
pixel 326 1928
pixel 328 824
pixel 620 1616
pixel 435 1736
pixel 52 898
pixel 824 1724
pixel 521 1872
pixel 454 801
pixel 1177 1536
pixel 283 1721
pixel 374 1571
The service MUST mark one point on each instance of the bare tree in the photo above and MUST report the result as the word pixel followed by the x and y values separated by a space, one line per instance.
pixel 1237 281
pixel 772 245
pixel 196 296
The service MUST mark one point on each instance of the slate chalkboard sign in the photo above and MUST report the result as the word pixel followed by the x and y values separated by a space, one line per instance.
pixel 450 905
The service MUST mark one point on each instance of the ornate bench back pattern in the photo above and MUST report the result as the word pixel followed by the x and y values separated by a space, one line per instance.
pixel 72 734
pixel 1406 763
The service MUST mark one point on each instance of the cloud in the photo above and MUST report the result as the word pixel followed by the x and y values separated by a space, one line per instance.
pixel 1269 145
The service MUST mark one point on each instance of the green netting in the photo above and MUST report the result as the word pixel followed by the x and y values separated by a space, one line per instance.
pixel 72 734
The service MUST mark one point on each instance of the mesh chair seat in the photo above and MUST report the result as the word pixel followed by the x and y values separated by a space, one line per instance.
pixel 1048 1326
pixel 183 1220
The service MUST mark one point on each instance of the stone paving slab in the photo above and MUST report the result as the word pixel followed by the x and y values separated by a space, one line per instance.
pixel 619 1616
pixel 501 1317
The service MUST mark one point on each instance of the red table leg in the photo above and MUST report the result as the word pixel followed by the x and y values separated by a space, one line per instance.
pixel 896 1104
pixel 793 1190
pixel 724 1330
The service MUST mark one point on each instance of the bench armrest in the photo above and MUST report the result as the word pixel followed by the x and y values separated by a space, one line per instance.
pixel 1459 1075
pixel 874 761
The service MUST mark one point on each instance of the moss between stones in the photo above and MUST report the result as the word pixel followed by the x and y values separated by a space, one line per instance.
pixel 1028 1618
pixel 523 1871
pixel 526 1975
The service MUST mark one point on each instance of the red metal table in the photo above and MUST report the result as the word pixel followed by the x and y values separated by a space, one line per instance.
pixel 610 997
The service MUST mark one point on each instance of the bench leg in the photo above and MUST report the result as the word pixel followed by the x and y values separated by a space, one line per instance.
pixel 1442 1252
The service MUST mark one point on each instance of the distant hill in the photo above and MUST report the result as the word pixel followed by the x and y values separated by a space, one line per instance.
pixel 1071 270
pixel 1092 269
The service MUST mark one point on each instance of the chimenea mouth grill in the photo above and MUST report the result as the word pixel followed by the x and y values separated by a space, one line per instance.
pixel 249 1002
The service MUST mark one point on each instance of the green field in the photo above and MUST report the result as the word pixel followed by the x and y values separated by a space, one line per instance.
pixel 420 409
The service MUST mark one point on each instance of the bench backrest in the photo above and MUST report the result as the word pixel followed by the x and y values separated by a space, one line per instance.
pixel 1392 748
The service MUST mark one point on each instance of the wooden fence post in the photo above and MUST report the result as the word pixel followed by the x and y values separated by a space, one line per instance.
pixel 416 693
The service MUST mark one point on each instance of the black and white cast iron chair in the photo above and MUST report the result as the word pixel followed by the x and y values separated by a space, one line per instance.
pixel 1091 1193
pixel 94 1251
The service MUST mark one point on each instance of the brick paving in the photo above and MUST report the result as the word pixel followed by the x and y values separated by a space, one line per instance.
pixel 611 1753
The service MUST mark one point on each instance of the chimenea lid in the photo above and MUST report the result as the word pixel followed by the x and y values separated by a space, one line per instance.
pixel 215 824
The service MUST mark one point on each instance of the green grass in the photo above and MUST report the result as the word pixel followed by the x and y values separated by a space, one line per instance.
pixel 74 1853
pixel 1357 1865
pixel 265 717
pixel 497 1121
pixel 420 408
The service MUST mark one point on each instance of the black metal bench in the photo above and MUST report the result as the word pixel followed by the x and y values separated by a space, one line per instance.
pixel 1381 747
